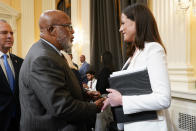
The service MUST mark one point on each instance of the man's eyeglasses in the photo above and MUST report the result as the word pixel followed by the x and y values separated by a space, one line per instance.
pixel 69 26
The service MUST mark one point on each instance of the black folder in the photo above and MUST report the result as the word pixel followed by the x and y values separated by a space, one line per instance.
pixel 136 83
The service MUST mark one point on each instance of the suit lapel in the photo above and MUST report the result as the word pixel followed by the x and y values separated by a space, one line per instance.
pixel 4 80
pixel 15 64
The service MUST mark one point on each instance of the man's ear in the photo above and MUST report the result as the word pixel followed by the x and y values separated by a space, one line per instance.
pixel 50 29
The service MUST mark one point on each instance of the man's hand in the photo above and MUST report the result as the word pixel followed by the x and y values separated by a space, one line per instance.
pixel 94 95
pixel 85 86
pixel 99 104
pixel 105 104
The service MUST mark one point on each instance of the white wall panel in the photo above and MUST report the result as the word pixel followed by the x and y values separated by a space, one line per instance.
pixel 174 29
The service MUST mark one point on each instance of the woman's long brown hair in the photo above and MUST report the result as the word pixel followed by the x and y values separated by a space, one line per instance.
pixel 146 27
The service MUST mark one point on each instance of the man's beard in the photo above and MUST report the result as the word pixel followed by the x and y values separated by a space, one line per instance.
pixel 69 50
pixel 65 43
pixel 67 46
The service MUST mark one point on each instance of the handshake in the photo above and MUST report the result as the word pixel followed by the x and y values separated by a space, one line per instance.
pixel 114 98
pixel 97 98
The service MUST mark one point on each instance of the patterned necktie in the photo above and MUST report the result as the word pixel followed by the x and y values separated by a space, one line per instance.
pixel 9 72
pixel 91 83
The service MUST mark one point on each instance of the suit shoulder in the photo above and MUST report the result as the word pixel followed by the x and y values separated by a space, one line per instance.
pixel 16 57
pixel 86 63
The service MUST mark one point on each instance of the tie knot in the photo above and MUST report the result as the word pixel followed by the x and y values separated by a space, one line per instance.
pixel 5 56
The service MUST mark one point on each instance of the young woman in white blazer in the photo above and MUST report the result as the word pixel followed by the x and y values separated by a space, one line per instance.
pixel 145 51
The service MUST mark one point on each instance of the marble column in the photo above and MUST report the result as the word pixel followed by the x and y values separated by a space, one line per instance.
pixel 48 5
pixel 27 25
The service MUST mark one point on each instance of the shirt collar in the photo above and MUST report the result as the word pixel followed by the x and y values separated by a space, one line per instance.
pixel 1 54
pixel 52 46
pixel 83 62
pixel 93 80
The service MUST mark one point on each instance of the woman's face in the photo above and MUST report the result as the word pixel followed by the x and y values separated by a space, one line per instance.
pixel 127 28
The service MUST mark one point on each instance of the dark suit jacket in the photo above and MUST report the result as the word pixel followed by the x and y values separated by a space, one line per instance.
pixel 50 94
pixel 9 101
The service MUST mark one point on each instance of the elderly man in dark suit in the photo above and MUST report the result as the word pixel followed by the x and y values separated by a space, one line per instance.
pixel 9 72
pixel 50 94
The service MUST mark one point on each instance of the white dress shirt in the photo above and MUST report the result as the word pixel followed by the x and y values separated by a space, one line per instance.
pixel 93 84
pixel 9 61
pixel 51 45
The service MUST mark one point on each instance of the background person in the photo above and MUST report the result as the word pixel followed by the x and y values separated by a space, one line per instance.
pixel 104 119
pixel 84 68
pixel 71 56
pixel 92 81
pixel 9 72
pixel 104 74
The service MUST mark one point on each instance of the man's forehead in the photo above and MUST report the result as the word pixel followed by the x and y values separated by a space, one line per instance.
pixel 5 26
pixel 64 20
pixel 55 17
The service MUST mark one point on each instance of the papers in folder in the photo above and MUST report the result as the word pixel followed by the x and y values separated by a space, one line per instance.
pixel 136 83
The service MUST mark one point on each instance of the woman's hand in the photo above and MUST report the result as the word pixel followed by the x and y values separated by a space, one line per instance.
pixel 114 97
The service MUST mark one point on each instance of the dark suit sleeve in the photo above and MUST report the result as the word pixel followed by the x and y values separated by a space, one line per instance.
pixel 51 86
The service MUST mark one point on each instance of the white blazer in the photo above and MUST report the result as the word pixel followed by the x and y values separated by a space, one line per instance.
pixel 153 58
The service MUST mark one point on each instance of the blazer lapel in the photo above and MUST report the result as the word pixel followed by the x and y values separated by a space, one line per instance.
pixel 126 64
